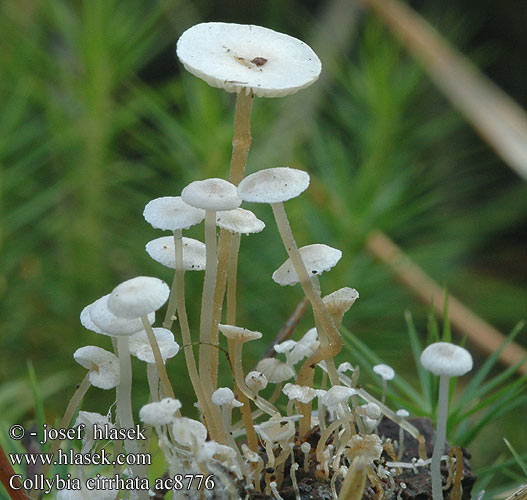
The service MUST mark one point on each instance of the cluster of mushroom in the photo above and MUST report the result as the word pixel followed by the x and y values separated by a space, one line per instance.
pixel 263 447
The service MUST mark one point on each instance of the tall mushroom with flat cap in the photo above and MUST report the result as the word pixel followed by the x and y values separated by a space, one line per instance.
pixel 211 195
pixel 444 360
pixel 274 186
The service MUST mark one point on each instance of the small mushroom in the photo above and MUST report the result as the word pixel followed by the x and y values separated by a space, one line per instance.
pixel 386 373
pixel 159 413
pixel 444 360
pixel 163 250
pixel 102 365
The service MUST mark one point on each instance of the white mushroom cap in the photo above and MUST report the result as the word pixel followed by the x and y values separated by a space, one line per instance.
pixel 186 430
pixel 402 413
pixel 344 367
pixel 336 395
pixel 277 428
pixel 273 185
pixel 240 221
pixel 211 194
pixel 87 322
pixel 90 420
pixel 222 396
pixel 284 347
pixel 368 447
pixel 239 56
pixel 317 258
pixel 138 297
pixel 171 213
pixel 303 394
pixel 340 300
pixel 256 381
pixel 110 324
pixel 370 410
pixel 385 371
pixel 160 412
pixel 238 333
pixel 274 370
pixel 140 345
pixel 443 358
pixel 162 250
pixel 304 348
pixel 103 366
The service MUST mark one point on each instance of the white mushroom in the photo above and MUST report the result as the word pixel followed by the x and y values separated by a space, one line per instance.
pixel 444 360
pixel 141 348
pixel 188 432
pixel 386 373
pixel 172 213
pixel 403 414
pixel 103 366
pixel 248 57
pixel 163 250
pixel 275 370
pixel 339 302
pixel 274 186
pixel 317 258
pixel 239 221
pixel 162 412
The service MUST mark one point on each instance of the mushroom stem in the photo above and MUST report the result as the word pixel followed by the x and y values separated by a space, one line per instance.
pixel 354 482
pixel 241 141
pixel 240 382
pixel 153 381
pixel 161 368
pixel 170 315
pixel 81 391
pixel 439 443
pixel 124 394
pixel 205 330
pixel 330 340
pixel 232 274
pixel 187 339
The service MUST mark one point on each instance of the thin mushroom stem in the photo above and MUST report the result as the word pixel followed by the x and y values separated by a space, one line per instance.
pixel 330 340
pixel 124 398
pixel 240 382
pixel 227 258
pixel 161 368
pixel 224 245
pixel 81 391
pixel 187 342
pixel 232 275
pixel 205 330
pixel 439 443
pixel 170 315
pixel 153 381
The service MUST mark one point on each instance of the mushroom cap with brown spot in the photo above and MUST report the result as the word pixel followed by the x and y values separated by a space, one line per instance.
pixel 240 57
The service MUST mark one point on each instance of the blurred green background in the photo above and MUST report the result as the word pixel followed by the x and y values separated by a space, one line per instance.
pixel 98 117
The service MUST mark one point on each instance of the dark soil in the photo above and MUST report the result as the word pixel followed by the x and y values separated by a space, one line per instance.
pixel 417 484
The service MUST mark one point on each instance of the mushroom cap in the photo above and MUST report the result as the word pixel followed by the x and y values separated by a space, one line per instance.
pixel 90 420
pixel 256 381
pixel 402 413
pixel 339 301
pixel 211 194
pixel 344 367
pixel 336 395
pixel 103 366
pixel 317 258
pixel 443 358
pixel 222 396
pixel 186 430
pixel 239 221
pixel 370 410
pixel 110 324
pixel 138 297
pixel 273 185
pixel 301 393
pixel 368 447
pixel 160 412
pixel 87 322
pixel 274 370
pixel 238 333
pixel 171 213
pixel 140 345
pixel 305 347
pixel 276 429
pixel 385 371
pixel 240 56
pixel 162 250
